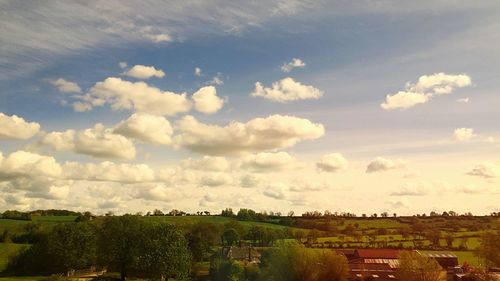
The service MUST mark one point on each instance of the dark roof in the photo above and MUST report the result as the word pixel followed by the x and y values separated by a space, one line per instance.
pixel 377 253
pixel 240 253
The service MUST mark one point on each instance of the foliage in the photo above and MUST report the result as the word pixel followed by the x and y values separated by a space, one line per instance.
pixel 226 270
pixel 489 248
pixel 163 253
pixel 297 263
pixel 416 267
pixel 65 247
pixel 201 238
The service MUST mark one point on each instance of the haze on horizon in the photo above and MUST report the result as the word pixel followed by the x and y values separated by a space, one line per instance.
pixel 356 106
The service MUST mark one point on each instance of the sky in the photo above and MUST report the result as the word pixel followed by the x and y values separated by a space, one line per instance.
pixel 348 106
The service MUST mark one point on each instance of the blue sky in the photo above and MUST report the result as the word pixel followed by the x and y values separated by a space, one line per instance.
pixel 355 53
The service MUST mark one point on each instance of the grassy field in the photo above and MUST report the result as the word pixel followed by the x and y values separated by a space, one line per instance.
pixel 7 250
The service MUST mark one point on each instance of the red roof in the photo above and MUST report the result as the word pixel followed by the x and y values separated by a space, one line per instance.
pixel 377 253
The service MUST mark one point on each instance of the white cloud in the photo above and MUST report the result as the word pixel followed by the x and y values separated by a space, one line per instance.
pixel 207 101
pixel 485 170
pixel 464 134
pixel 122 65
pixel 463 100
pixel 66 86
pixel 251 180
pixel 158 38
pixel 381 164
pixel 267 161
pixel 294 63
pixel 207 163
pixel 21 164
pixel 259 134
pixel 426 87
pixel 198 71
pixel 404 100
pixel 109 171
pixel 157 192
pixel 276 191
pixel 97 142
pixel 14 127
pixel 215 179
pixel 137 96
pixel 286 90
pixel 147 128
pixel 144 72
pixel 17 200
pixel 81 106
pixel 332 163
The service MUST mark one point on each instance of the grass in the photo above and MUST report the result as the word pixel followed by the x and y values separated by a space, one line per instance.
pixel 22 278
pixel 7 250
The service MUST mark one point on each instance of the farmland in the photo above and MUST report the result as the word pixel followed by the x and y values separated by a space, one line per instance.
pixel 460 235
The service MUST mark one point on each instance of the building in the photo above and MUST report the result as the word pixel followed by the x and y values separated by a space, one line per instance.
pixel 246 254
pixel 445 259
pixel 373 264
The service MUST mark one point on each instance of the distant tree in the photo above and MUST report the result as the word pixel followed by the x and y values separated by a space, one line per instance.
pixel 415 267
pixel 230 236
pixel 228 212
pixel 489 248
pixel 449 240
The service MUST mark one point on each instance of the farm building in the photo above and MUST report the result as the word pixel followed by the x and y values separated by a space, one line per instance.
pixel 373 264
pixel 445 259
pixel 245 254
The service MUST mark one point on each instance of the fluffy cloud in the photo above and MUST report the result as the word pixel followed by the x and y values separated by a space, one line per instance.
pixel 404 100
pixel 381 164
pixel 250 180
pixel 157 193
pixel 207 163
pixel 286 90
pixel 426 87
pixel 162 37
pixel 463 134
pixel 97 142
pixel 276 191
pixel 144 72
pixel 14 127
pixel 66 86
pixel 267 161
pixel 463 100
pixel 109 171
pixel 147 128
pixel 485 170
pixel 259 134
pixel 26 164
pixel 215 179
pixel 332 163
pixel 207 101
pixel 294 63
pixel 137 96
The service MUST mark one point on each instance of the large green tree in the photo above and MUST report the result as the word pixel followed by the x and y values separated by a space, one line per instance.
pixel 119 243
pixel 164 253
pixel 202 237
